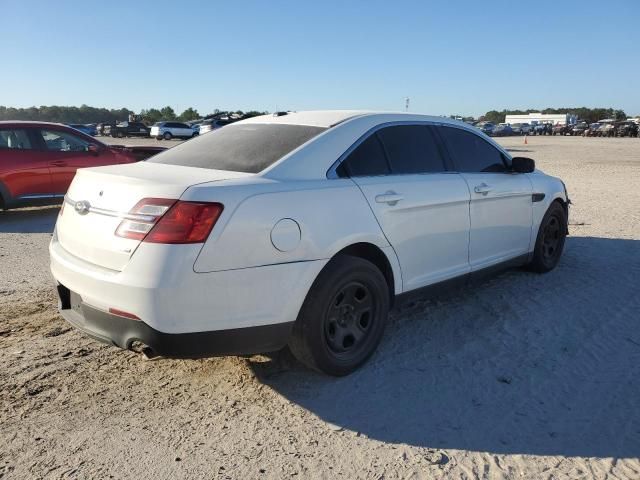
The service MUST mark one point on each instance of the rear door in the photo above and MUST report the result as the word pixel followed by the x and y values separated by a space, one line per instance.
pixel 184 129
pixel 24 167
pixel 422 208
pixel 501 202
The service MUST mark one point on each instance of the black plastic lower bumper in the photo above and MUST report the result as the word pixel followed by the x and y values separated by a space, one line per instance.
pixel 123 332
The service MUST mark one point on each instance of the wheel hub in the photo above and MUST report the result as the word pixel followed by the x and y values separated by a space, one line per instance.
pixel 551 238
pixel 349 318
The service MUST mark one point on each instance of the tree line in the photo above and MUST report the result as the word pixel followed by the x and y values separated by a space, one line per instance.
pixel 87 114
pixel 590 115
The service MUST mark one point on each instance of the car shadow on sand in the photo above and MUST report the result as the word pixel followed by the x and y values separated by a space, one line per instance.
pixel 29 220
pixel 523 364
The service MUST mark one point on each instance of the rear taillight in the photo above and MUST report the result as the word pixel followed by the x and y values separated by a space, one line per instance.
pixel 142 217
pixel 159 220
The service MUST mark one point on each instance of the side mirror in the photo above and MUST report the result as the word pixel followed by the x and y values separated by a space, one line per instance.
pixel 93 149
pixel 523 165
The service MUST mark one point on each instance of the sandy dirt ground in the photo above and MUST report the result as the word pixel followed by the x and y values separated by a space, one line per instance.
pixel 524 376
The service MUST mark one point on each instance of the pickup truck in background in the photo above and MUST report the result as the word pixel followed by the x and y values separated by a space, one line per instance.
pixel 129 129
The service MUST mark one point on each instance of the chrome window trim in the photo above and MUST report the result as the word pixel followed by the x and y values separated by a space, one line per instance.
pixel 113 213
pixel 333 175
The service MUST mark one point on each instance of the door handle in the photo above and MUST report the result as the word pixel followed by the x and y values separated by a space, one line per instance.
pixel 59 163
pixel 390 198
pixel 483 188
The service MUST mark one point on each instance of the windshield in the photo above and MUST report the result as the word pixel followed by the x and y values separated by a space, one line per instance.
pixel 248 148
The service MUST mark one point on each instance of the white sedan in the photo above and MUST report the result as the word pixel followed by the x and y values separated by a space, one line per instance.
pixel 297 229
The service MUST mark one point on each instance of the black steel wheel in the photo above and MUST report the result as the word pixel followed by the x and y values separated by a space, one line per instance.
pixel 550 239
pixel 348 319
pixel 343 316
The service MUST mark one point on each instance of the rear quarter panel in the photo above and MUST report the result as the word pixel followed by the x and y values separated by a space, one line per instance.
pixel 331 215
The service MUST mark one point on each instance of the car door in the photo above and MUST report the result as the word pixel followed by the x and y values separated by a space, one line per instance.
pixel 501 200
pixel 171 127
pixel 422 208
pixel 67 152
pixel 185 130
pixel 24 168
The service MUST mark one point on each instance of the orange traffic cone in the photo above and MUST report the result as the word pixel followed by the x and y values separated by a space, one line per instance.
pixel 525 140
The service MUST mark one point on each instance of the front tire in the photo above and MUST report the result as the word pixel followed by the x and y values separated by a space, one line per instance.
pixel 167 136
pixel 550 240
pixel 342 318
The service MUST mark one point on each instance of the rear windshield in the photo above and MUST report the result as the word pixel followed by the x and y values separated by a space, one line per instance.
pixel 248 148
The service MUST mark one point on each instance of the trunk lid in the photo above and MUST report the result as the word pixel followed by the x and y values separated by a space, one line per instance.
pixel 99 197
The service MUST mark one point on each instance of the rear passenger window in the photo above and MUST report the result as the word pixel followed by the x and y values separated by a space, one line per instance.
pixel 15 139
pixel 411 149
pixel 471 153
pixel 366 160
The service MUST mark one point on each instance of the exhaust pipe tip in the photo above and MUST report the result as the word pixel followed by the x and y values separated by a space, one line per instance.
pixel 145 351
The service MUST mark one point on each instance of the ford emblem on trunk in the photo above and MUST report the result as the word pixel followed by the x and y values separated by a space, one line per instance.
pixel 82 207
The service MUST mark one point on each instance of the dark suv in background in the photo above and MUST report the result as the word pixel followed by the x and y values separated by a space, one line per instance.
pixel 541 129
pixel 486 127
pixel 559 129
pixel 502 130
pixel 627 129
pixel 579 128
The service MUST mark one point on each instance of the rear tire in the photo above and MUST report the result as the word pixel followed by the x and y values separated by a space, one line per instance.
pixel 167 136
pixel 550 240
pixel 342 318
pixel 120 134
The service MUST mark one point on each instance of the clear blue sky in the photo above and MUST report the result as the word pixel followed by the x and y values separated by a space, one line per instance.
pixel 449 57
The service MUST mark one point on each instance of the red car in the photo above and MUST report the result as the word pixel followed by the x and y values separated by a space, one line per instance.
pixel 38 160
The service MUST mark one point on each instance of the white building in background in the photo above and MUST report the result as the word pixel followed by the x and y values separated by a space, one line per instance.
pixel 553 118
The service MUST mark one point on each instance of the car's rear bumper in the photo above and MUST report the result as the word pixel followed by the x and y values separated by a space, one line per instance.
pixel 183 313
pixel 123 332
